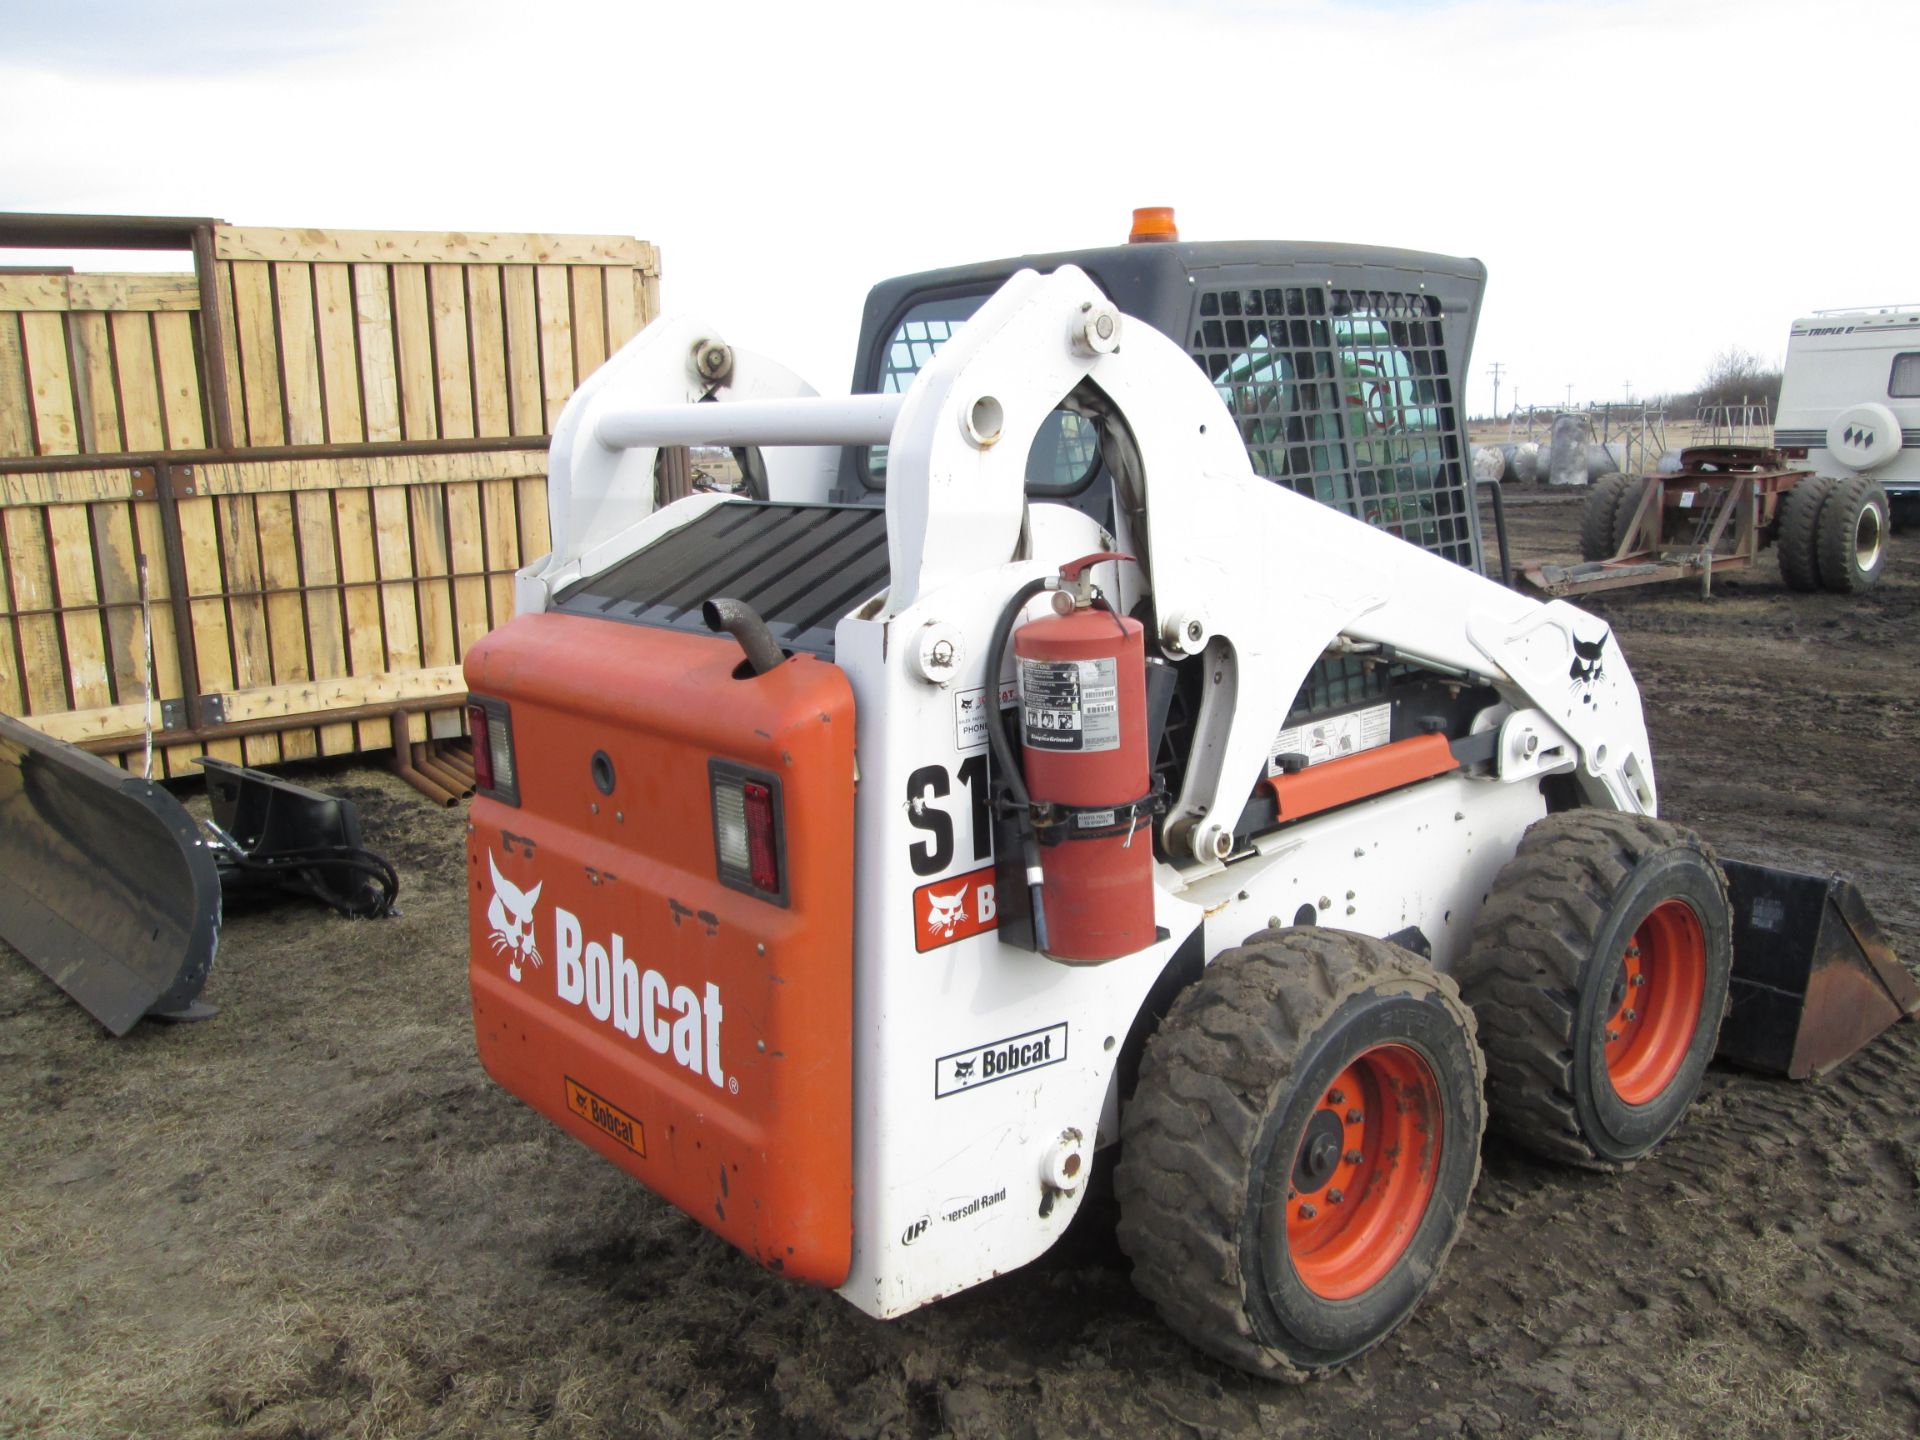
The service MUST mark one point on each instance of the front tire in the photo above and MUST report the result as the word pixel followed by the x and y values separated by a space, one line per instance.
pixel 1301 1148
pixel 1598 970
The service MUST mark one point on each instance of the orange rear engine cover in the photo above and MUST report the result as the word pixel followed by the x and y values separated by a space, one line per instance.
pixel 697 1036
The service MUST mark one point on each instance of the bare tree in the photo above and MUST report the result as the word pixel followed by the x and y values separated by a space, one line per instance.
pixel 1736 375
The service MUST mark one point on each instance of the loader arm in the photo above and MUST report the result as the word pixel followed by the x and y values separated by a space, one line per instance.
pixel 1255 577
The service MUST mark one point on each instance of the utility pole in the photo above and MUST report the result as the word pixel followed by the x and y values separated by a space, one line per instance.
pixel 1496 389
pixel 1569 395
pixel 1627 386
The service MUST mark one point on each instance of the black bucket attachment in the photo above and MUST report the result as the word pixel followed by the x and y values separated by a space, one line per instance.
pixel 274 835
pixel 1814 979
pixel 105 882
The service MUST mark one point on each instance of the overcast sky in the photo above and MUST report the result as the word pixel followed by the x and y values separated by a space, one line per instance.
pixel 1648 181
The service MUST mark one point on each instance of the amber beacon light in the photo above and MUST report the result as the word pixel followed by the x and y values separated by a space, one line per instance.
pixel 1153 225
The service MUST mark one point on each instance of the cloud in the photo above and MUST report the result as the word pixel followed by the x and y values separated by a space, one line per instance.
pixel 1647 182
pixel 183 37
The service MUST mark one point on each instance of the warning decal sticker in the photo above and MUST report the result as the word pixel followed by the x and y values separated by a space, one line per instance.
pixel 1333 737
pixel 1069 704
pixel 970 713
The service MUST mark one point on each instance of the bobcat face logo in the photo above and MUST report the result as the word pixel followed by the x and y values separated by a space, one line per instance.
pixel 510 913
pixel 963 1069
pixel 944 912
pixel 1588 668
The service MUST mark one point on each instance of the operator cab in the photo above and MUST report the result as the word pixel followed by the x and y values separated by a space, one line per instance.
pixel 1337 362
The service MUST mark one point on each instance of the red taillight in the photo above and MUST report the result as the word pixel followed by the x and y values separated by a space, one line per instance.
pixel 482 746
pixel 494 773
pixel 747 842
pixel 763 848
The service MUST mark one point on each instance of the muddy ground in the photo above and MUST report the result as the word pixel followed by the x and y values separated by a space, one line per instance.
pixel 313 1216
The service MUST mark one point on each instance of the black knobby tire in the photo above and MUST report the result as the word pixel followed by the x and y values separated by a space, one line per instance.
pixel 1596 517
pixel 1217 1131
pixel 1589 901
pixel 1799 525
pixel 1623 510
pixel 1852 536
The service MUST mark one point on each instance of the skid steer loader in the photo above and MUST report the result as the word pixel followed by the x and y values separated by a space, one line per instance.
pixel 1096 729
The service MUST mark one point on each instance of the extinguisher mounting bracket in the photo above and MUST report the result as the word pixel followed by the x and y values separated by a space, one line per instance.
pixel 1055 822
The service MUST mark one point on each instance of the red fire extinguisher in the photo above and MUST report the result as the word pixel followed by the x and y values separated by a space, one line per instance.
pixel 1083 730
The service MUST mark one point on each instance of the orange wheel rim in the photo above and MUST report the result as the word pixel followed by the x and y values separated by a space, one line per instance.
pixel 1364 1172
pixel 1656 1002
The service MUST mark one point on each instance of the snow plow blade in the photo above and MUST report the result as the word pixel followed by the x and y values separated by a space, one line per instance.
pixel 105 882
pixel 1814 978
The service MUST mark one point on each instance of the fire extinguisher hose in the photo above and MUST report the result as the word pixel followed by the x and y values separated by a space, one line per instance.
pixel 1005 761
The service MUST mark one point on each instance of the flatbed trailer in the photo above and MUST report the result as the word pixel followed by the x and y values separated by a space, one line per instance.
pixel 1715 515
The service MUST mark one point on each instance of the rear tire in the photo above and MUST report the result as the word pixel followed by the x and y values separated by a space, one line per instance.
pixel 1598 971
pixel 1851 542
pixel 1596 517
pixel 1301 1149
pixel 1799 525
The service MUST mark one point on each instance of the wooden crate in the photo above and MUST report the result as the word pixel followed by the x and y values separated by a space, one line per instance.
pixel 330 481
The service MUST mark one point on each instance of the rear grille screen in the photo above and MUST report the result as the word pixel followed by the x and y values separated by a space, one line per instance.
pixel 1344 396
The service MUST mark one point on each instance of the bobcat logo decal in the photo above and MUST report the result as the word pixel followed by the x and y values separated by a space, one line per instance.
pixel 1589 666
pixel 944 912
pixel 956 908
pixel 510 913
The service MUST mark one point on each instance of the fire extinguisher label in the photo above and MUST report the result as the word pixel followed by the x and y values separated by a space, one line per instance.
pixel 1069 704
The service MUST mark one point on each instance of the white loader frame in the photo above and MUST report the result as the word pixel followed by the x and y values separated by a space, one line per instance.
pixel 984 1074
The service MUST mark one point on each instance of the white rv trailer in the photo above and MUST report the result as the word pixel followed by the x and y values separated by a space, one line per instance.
pixel 1850 399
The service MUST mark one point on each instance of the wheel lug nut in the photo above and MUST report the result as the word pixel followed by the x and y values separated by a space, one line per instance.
pixel 1334 1197
pixel 1633 950
pixel 1353 1117
pixel 1307 1212
pixel 1613 1035
pixel 1353 1157
pixel 1638 980
pixel 1336 1097
pixel 1633 1014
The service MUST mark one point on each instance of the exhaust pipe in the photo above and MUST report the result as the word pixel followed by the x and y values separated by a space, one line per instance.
pixel 738 619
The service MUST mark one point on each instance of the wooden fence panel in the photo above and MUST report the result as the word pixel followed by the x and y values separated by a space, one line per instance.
pixel 319 582
pixel 16 409
pixel 181 405
pixel 78 362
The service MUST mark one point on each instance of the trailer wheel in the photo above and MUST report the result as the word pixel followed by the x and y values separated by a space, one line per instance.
pixel 1598 970
pixel 1300 1150
pixel 1852 539
pixel 1630 494
pixel 1596 517
pixel 1799 525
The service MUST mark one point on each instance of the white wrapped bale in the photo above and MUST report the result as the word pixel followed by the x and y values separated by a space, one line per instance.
pixel 1567 459
pixel 1523 462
